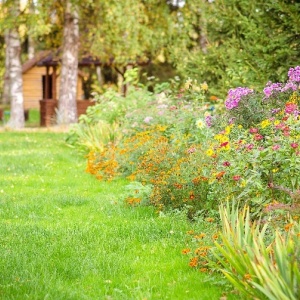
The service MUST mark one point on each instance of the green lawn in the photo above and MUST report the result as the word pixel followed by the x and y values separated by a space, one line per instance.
pixel 65 235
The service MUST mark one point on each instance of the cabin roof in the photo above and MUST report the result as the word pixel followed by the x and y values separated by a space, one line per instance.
pixel 54 59
pixel 48 58
pixel 30 63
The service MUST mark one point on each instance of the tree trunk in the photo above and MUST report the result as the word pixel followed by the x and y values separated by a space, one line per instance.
pixel 15 76
pixel 67 110
pixel 6 81
pixel 31 41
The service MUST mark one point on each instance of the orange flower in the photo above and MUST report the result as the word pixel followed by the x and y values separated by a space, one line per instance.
pixel 210 220
pixel 193 262
pixel 215 236
pixel 213 98
pixel 287 227
pixel 247 277
pixel 186 251
pixel 220 175
pixel 200 236
pixel 190 232
pixel 196 180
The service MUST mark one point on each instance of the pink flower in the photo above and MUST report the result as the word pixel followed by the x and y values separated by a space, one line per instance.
pixel 148 119
pixel 290 108
pixel 258 137
pixel 294 145
pixel 226 164
pixel 249 146
pixel 236 177
pixel 191 150
pixel 253 130
pixel 275 147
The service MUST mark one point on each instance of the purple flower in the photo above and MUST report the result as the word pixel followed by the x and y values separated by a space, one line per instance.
pixel 271 87
pixel 208 120
pixel 289 85
pixel 235 95
pixel 274 111
pixel 294 74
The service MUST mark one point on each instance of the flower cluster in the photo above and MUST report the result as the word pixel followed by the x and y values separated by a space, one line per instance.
pixel 294 74
pixel 235 96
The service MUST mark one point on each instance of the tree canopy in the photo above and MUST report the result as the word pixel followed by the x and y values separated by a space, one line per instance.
pixel 225 43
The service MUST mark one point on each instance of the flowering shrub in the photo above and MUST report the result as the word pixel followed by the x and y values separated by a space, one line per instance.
pixel 161 147
pixel 257 152
pixel 191 155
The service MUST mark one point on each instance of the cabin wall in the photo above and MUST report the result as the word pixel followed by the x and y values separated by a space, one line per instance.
pixel 33 87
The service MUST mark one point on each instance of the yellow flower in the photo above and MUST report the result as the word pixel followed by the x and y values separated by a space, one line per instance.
pixel 265 123
pixel 227 129
pixel 187 84
pixel 243 183
pixel 221 138
pixel 276 122
pixel 210 152
pixel 240 126
pixel 204 86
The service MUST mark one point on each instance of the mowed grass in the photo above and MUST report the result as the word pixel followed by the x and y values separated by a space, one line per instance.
pixel 65 235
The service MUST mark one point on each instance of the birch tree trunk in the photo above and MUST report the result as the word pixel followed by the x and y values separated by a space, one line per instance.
pixel 67 109
pixel 6 81
pixel 31 41
pixel 15 76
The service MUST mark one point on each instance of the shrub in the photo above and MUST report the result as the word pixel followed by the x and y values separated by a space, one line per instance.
pixel 260 265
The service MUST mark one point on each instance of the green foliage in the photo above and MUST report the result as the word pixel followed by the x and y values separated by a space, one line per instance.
pixel 245 42
pixel 257 268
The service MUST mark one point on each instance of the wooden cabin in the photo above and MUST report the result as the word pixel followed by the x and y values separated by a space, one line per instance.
pixel 41 82
pixel 41 86
pixel 35 85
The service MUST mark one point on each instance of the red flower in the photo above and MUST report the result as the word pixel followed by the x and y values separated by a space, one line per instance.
pixel 236 177
pixel 226 164
pixel 258 137
pixel 294 145
pixel 224 144
pixel 253 130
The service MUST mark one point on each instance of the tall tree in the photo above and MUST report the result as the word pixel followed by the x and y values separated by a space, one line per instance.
pixel 67 109
pixel 15 71
pixel 6 80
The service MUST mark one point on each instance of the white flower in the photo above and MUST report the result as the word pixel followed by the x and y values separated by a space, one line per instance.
pixel 200 124
pixel 148 119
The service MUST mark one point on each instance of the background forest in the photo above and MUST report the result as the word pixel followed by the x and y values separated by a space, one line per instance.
pixel 225 43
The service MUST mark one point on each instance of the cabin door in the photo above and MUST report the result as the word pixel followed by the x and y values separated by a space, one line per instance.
pixel 47 86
